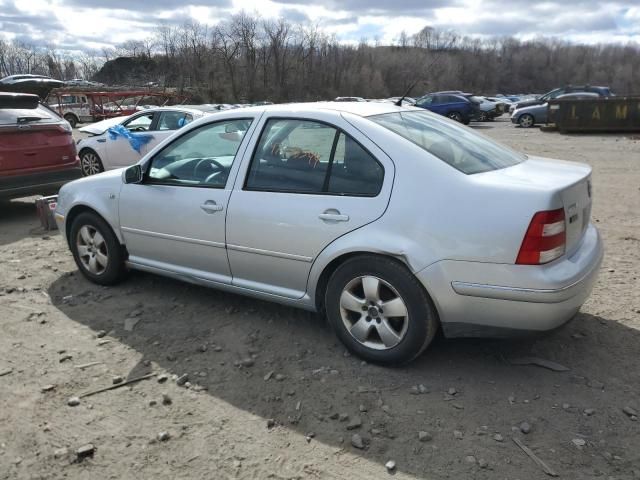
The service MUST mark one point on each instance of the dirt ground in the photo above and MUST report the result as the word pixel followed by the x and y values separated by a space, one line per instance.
pixel 272 394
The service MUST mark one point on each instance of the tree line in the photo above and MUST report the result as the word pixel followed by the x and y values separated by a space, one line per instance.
pixel 248 58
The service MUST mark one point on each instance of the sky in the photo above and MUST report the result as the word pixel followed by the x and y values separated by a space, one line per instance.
pixel 90 25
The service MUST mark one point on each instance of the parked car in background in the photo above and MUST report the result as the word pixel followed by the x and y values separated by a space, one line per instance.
pixel 314 206
pixel 37 151
pixel 74 108
pixel 532 115
pixel 106 149
pixel 488 110
pixel 81 82
pixel 349 99
pixel 39 85
pixel 600 91
pixel 452 105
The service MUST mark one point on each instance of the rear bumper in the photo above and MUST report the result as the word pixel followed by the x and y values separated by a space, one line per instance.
pixel 44 183
pixel 484 299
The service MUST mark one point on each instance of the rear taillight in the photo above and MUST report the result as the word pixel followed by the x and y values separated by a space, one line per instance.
pixel 545 238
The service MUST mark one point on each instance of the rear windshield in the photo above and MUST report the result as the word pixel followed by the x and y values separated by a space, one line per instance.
pixel 28 115
pixel 459 146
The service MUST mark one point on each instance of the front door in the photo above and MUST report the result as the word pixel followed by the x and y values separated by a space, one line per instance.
pixel 175 219
pixel 121 150
pixel 308 183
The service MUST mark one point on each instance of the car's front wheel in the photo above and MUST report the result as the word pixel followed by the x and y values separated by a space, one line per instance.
pixel 526 121
pixel 90 163
pixel 96 250
pixel 379 310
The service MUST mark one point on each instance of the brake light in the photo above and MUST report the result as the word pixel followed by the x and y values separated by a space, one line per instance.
pixel 545 239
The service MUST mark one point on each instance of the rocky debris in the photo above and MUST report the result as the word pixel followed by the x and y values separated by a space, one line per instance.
pixel 579 442
pixel 343 417
pixel 73 402
pixel 589 411
pixel 6 371
pixel 247 362
pixel 362 408
pixel 457 434
pixel 60 452
pixel 101 333
pixel 163 436
pixel 498 438
pixel 357 442
pixel 182 380
pixel 482 463
pixel 390 465
pixel 280 377
pixel 424 436
pixel 117 379
pixel 566 406
pixel 271 423
pixel 163 377
pixel 309 436
pixel 203 348
pixel 48 388
pixel 85 451
pixel 166 399
pixel 470 459
pixel 452 391
pixel 334 416
pixel 130 323
pixel 354 423
pixel 511 399
pixel 630 412
pixel 268 376
pixel 419 390
pixel 525 427
pixel 65 357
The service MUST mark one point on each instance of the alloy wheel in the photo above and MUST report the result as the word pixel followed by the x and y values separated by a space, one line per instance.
pixel 374 313
pixel 92 250
pixel 90 164
pixel 455 116
pixel 526 121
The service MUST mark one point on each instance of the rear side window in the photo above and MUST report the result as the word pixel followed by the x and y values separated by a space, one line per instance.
pixel 173 120
pixel 301 156
pixel 454 144
pixel 28 115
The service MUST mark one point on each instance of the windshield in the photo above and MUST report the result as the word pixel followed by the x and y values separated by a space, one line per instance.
pixel 459 146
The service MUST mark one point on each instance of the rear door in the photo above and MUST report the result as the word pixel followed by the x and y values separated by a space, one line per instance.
pixel 307 183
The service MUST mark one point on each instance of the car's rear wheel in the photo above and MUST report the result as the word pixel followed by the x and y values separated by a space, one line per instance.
pixel 484 117
pixel 526 121
pixel 96 250
pixel 90 163
pixel 72 119
pixel 379 310
pixel 455 116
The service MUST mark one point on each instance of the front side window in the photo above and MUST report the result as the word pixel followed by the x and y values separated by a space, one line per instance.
pixel 302 156
pixel 141 123
pixel 459 146
pixel 424 101
pixel 202 157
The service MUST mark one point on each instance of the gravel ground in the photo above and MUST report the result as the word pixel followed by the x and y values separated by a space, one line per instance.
pixel 270 393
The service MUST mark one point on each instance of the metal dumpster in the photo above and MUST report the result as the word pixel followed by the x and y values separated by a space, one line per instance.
pixel 606 114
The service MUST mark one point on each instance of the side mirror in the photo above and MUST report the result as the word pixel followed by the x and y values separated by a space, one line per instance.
pixel 133 174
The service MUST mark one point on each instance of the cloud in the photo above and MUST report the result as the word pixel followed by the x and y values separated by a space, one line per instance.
pixel 94 24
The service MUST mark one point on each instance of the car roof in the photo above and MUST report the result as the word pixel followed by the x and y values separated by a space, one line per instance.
pixel 362 109
pixel 192 110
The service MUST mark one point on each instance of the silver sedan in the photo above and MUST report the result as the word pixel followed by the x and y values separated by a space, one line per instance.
pixel 392 221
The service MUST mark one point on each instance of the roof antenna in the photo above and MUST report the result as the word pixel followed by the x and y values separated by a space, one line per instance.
pixel 399 102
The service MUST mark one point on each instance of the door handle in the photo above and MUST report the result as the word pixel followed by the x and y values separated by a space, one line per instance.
pixel 333 216
pixel 211 206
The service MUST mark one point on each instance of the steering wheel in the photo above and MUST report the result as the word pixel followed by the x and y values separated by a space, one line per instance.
pixel 203 163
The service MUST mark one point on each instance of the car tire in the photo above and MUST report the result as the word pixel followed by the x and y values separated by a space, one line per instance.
pixel 96 250
pixel 484 117
pixel 455 116
pixel 357 295
pixel 526 120
pixel 90 163
pixel 72 119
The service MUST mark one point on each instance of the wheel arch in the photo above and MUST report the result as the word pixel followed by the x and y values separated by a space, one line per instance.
pixel 328 270
pixel 76 210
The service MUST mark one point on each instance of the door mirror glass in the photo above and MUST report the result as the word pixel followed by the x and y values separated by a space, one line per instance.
pixel 133 174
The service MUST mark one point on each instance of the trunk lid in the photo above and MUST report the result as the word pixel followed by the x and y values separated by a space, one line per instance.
pixel 551 184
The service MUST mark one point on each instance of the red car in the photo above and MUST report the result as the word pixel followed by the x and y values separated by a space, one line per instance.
pixel 37 151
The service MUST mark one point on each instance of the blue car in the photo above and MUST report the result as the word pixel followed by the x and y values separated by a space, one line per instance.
pixel 453 105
